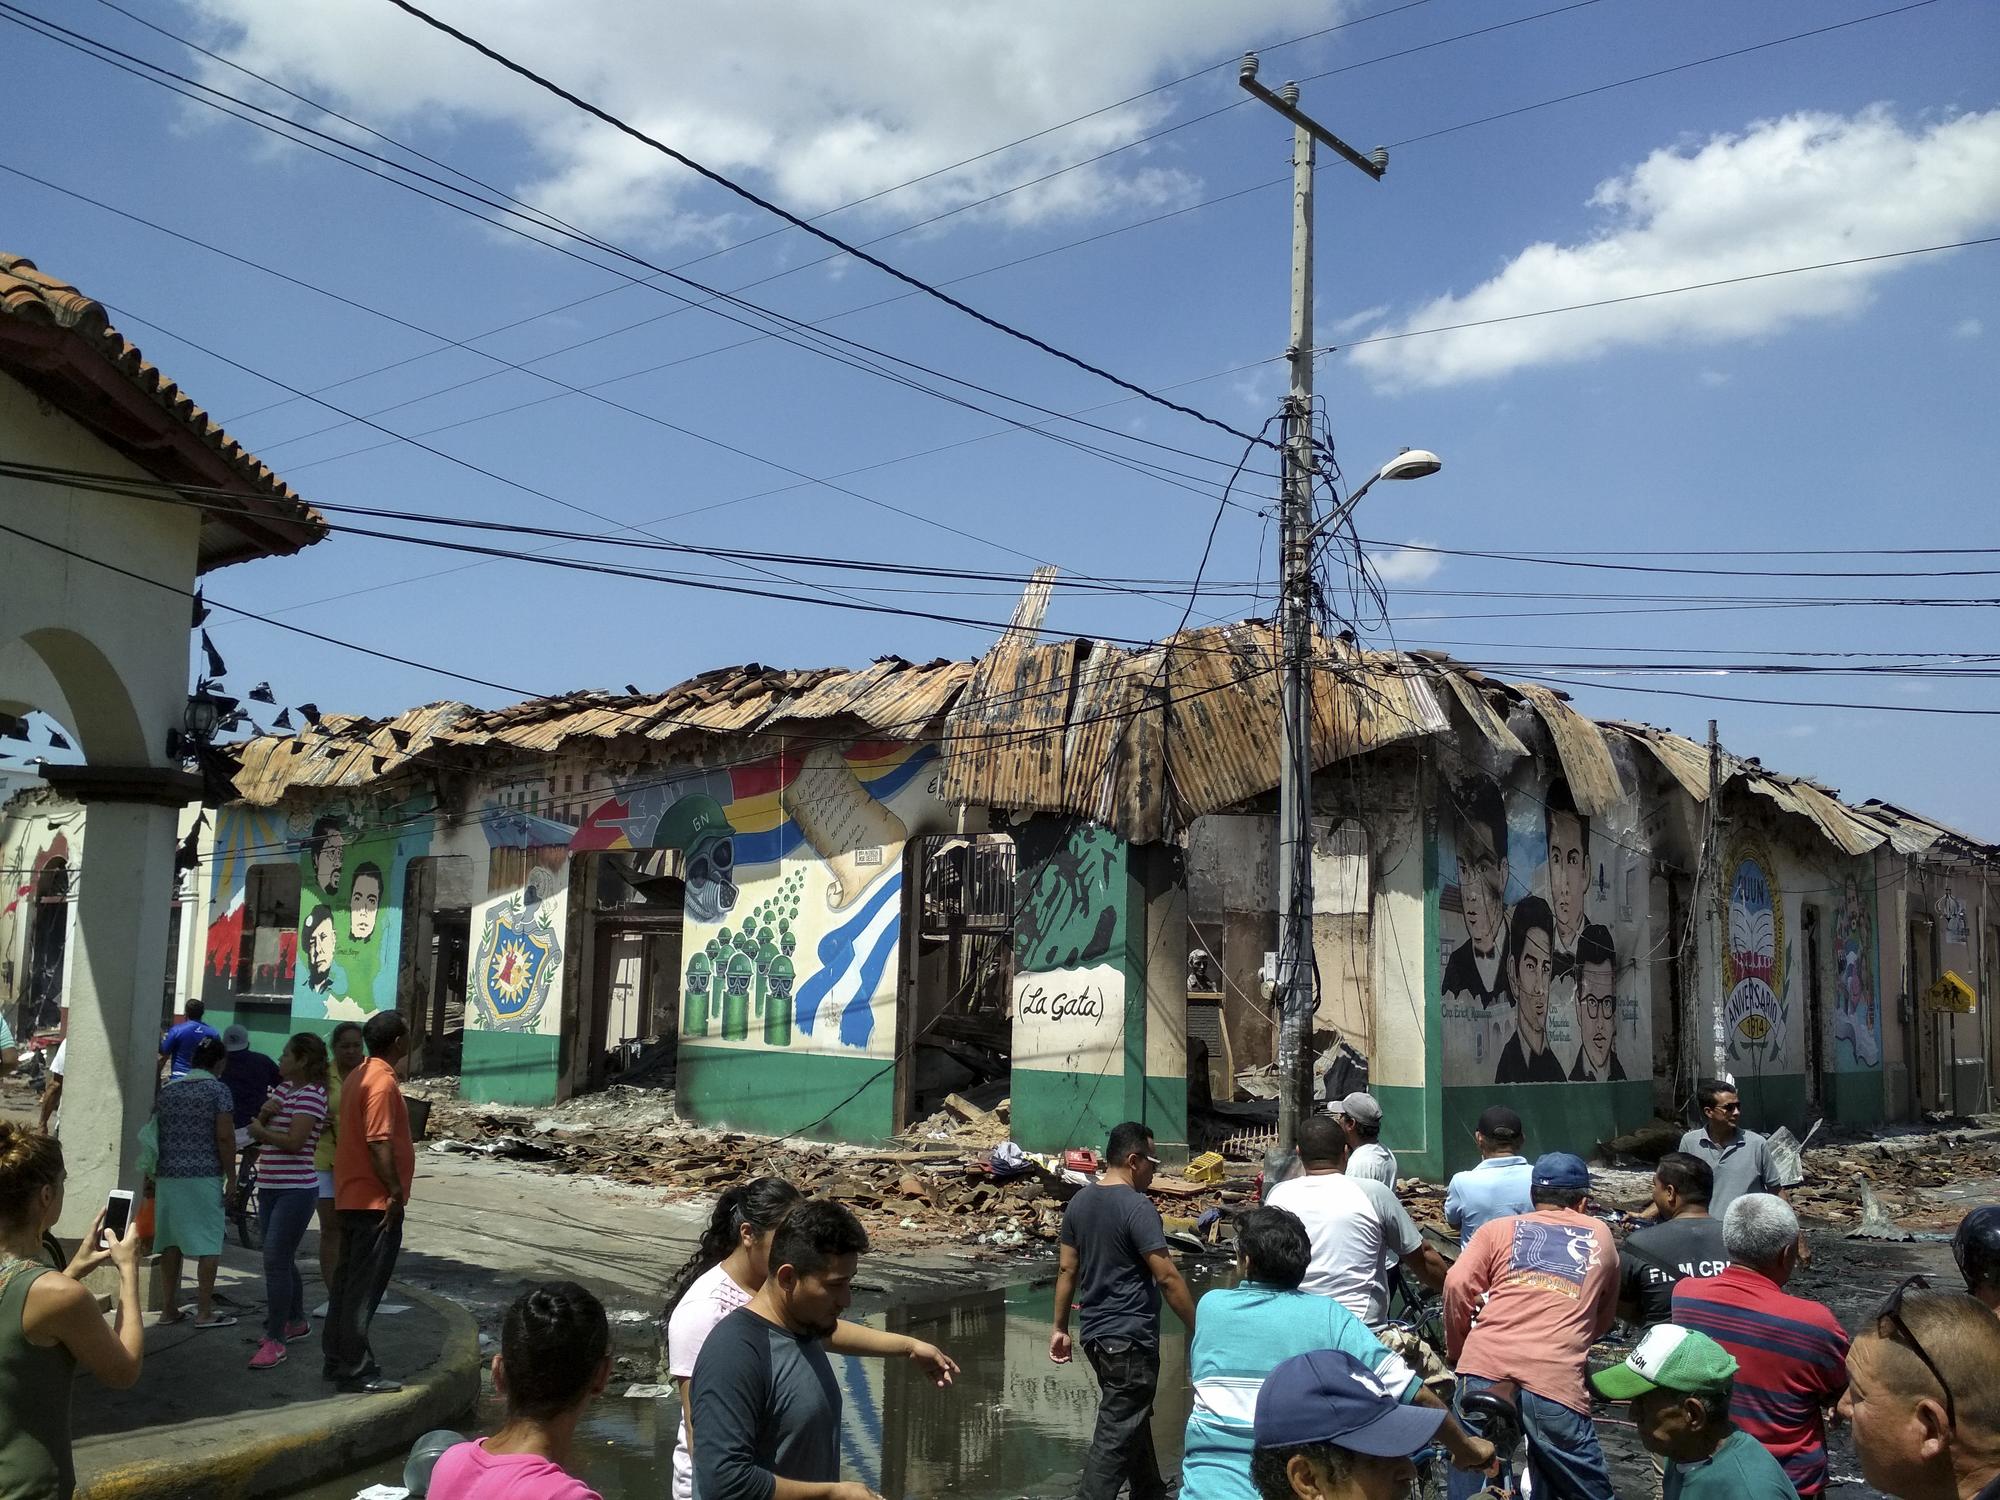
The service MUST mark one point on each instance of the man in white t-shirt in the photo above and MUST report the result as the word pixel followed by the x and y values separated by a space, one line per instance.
pixel 1357 1227
pixel 1360 1119
pixel 52 1090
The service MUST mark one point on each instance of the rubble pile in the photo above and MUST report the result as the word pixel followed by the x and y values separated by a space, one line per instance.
pixel 966 1187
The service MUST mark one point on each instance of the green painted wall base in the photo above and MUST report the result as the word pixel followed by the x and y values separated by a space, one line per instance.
pixel 1408 1130
pixel 1557 1116
pixel 788 1093
pixel 506 1067
pixel 1054 1111
pixel 1854 1098
pixel 1772 1100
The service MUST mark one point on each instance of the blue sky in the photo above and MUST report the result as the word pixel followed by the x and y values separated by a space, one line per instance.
pixel 1845 409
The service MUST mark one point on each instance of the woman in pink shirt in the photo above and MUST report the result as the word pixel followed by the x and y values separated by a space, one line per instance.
pixel 554 1360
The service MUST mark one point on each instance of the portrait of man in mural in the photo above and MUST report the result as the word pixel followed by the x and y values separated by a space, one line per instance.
pixel 328 847
pixel 364 901
pixel 319 950
pixel 1478 966
pixel 1596 1008
pixel 1531 964
pixel 697 825
pixel 1569 872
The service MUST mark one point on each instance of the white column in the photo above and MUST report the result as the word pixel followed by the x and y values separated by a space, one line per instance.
pixel 117 974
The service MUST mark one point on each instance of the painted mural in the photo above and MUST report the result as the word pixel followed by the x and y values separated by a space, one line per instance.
pixel 1756 1006
pixel 518 962
pixel 1069 938
pixel 793 867
pixel 352 863
pixel 1542 918
pixel 1857 1018
pixel 246 837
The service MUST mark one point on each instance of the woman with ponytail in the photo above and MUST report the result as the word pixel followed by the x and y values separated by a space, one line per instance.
pixel 727 1269
pixel 723 1274
pixel 554 1360
pixel 49 1321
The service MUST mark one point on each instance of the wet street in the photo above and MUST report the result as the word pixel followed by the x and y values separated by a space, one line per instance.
pixel 1016 1425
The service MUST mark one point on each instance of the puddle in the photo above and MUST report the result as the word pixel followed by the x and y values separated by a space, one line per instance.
pixel 1012 1425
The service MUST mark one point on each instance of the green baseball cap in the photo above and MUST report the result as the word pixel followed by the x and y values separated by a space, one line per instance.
pixel 1678 1358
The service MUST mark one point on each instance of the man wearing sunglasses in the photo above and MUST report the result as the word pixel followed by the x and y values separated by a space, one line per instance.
pixel 1739 1158
pixel 1792 1351
pixel 1923 1399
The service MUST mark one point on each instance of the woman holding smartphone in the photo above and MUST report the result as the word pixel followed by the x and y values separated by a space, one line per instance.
pixel 49 1321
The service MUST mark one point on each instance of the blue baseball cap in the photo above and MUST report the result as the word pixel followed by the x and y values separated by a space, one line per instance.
pixel 1562 1171
pixel 1329 1396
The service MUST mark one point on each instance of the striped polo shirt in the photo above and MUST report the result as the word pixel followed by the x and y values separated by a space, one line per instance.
pixel 293 1169
pixel 1791 1356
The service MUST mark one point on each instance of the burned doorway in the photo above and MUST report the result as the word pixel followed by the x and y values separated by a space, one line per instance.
pixel 637 905
pixel 954 1023
pixel 431 985
pixel 48 943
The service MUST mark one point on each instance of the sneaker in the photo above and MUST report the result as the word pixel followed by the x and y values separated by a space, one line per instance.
pixel 270 1352
pixel 296 1331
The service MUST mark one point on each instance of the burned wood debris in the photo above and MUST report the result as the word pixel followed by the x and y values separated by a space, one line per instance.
pixel 958 1180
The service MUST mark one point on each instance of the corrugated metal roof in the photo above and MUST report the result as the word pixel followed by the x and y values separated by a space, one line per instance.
pixel 1144 740
pixel 1147 740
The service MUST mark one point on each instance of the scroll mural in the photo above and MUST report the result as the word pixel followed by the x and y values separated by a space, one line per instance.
pixel 1857 1020
pixel 1069 936
pixel 352 864
pixel 1756 964
pixel 1542 916
pixel 794 882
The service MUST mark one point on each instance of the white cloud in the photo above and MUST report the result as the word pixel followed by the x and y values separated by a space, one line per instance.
pixel 1406 564
pixel 1341 328
pixel 811 102
pixel 1714 378
pixel 1968 328
pixel 1801 190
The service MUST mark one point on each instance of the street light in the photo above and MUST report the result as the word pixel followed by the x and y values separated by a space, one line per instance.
pixel 1411 463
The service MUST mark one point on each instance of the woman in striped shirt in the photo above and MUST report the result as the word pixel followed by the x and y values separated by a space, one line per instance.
pixel 288 1189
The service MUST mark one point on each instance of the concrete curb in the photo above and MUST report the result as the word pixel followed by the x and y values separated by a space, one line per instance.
pixel 307 1450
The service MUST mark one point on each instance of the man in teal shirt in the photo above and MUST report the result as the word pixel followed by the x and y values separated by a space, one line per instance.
pixel 1679 1383
pixel 1248 1330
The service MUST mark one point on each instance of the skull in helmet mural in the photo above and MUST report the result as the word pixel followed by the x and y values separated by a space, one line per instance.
pixel 697 826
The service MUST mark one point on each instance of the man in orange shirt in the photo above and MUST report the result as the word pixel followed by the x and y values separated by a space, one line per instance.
pixel 372 1169
pixel 1527 1298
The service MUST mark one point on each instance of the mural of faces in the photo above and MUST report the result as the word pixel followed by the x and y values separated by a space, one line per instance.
pixel 364 902
pixel 1597 1022
pixel 1530 987
pixel 319 950
pixel 329 848
pixel 1569 873
pixel 1482 885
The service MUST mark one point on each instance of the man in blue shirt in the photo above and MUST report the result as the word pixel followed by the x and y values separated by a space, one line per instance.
pixel 1246 1331
pixel 1499 1185
pixel 178 1045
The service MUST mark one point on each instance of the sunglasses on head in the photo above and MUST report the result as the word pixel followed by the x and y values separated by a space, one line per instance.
pixel 1891 1312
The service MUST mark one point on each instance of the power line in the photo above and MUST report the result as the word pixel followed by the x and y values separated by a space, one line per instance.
pixel 1508 114
pixel 789 330
pixel 1552 561
pixel 812 229
pixel 1671 291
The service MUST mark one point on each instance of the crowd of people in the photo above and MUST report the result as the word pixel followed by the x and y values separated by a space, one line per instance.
pixel 1315 1375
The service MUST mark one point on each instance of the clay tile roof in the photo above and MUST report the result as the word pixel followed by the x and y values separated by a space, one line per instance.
pixel 51 335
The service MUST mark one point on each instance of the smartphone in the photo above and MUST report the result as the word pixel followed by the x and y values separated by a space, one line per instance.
pixel 117 1215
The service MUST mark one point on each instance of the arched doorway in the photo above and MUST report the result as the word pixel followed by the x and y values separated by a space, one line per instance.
pixel 48 947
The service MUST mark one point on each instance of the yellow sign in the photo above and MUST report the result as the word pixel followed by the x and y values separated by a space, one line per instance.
pixel 1951 994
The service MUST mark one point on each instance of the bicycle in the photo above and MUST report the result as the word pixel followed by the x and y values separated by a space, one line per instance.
pixel 249 1223
pixel 1497 1413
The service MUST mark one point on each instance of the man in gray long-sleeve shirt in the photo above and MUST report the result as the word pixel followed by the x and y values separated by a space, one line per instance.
pixel 765 1409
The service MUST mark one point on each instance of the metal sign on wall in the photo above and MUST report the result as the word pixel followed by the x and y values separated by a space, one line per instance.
pixel 1952 994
